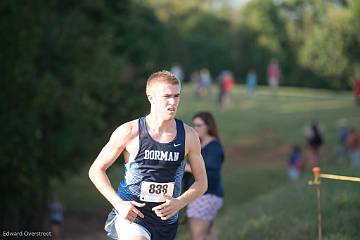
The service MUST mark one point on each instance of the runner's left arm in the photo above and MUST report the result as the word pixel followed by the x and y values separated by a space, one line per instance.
pixel 197 165
pixel 197 189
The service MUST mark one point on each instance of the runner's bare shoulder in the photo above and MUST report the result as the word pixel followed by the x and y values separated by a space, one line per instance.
pixel 125 133
pixel 191 138
pixel 190 132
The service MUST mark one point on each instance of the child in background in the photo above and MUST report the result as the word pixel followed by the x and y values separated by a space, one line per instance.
pixel 56 216
pixel 294 163
pixel 353 146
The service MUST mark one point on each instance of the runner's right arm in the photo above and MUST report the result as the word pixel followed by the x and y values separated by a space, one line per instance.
pixel 97 172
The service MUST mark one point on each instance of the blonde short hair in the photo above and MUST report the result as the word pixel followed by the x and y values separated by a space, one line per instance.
pixel 161 77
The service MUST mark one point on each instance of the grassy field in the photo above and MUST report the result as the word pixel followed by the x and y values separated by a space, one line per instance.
pixel 260 202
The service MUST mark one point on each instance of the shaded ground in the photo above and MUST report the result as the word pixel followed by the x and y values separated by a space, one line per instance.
pixel 83 226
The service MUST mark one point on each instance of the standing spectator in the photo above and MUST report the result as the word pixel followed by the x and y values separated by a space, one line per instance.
pixel 221 87
pixel 353 145
pixel 202 212
pixel 251 81
pixel 274 75
pixel 227 83
pixel 195 80
pixel 294 163
pixel 178 72
pixel 341 149
pixel 357 91
pixel 314 141
pixel 205 82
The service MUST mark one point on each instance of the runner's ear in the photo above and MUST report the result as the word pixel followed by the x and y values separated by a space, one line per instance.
pixel 149 97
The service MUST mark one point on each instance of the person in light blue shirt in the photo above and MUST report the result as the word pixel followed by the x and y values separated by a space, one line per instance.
pixel 251 81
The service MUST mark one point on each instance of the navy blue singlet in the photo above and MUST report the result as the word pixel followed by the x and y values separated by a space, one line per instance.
pixel 155 162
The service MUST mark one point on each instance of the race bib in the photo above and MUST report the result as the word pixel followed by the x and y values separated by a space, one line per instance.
pixel 153 191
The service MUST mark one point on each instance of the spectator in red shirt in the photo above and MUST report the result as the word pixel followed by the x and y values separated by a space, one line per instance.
pixel 274 75
pixel 227 83
pixel 357 91
pixel 353 145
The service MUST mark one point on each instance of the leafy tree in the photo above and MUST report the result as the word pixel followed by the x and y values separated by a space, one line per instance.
pixel 323 53
pixel 62 88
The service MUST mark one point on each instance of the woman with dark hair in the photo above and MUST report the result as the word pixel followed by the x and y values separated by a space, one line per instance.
pixel 202 212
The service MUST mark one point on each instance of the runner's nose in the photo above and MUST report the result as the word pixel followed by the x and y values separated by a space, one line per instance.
pixel 171 101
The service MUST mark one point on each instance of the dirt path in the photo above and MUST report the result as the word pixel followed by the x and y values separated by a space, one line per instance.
pixel 250 156
pixel 84 226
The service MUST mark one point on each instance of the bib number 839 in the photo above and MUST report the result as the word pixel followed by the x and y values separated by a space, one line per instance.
pixel 158 188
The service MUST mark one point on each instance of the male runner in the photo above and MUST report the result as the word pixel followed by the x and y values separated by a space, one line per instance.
pixel 148 199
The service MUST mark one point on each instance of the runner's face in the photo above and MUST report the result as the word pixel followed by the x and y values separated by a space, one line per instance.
pixel 200 127
pixel 165 99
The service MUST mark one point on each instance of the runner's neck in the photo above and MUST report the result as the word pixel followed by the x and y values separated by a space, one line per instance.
pixel 160 126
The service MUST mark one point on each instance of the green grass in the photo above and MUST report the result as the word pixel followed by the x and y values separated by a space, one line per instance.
pixel 280 118
pixel 260 202
pixel 290 212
